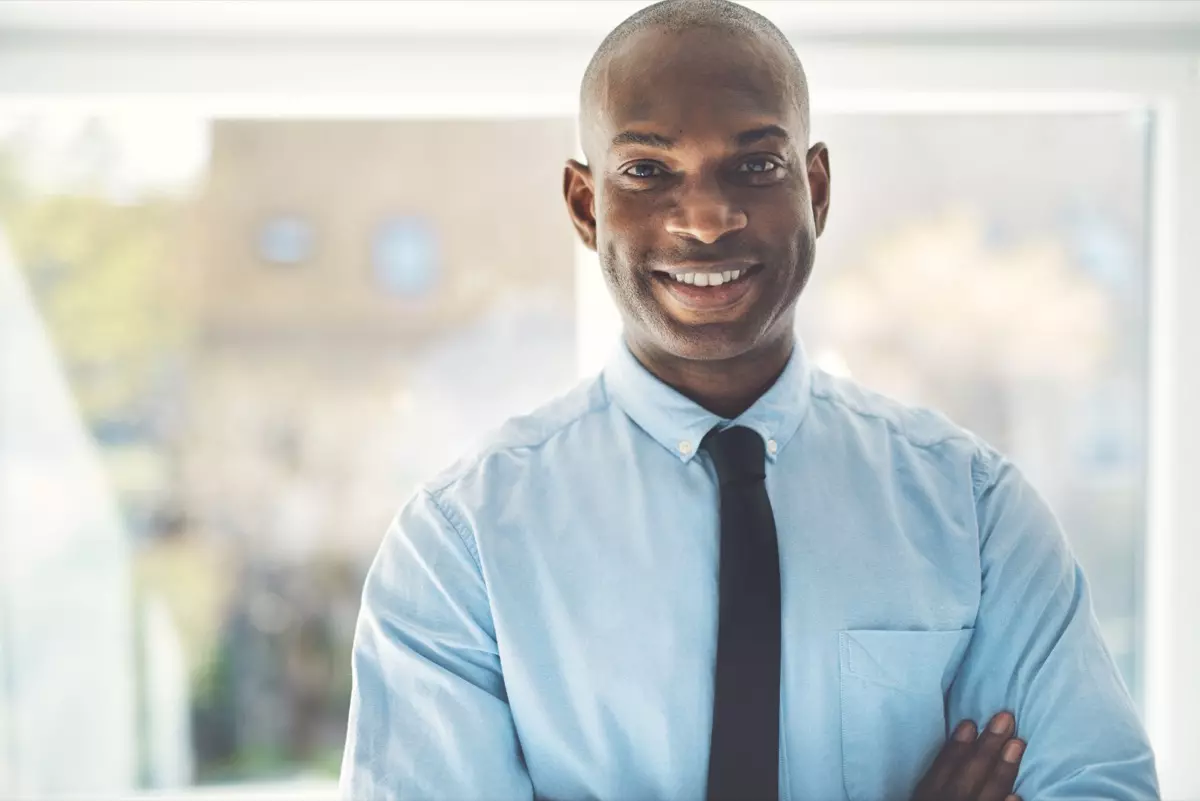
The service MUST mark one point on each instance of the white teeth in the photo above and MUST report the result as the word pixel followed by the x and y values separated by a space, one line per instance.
pixel 708 279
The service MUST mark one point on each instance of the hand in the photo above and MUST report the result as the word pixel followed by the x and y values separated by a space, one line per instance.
pixel 975 769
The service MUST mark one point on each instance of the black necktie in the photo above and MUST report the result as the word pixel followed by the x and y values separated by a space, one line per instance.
pixel 744 759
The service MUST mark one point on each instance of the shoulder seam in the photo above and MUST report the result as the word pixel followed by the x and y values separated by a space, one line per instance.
pixel 436 493
pixel 456 524
pixel 953 435
pixel 449 481
pixel 983 476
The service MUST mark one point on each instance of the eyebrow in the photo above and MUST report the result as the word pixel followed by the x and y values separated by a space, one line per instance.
pixel 667 143
pixel 640 138
pixel 757 134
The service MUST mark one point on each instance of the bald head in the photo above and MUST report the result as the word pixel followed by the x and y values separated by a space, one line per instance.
pixel 619 55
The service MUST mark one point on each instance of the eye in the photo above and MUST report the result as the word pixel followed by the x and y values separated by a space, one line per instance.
pixel 644 169
pixel 759 165
pixel 762 171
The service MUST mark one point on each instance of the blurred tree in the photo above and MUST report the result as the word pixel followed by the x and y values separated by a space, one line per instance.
pixel 102 276
pixel 11 191
pixel 936 293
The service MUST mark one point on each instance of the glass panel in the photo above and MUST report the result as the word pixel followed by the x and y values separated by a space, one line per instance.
pixel 224 342
pixel 230 349
pixel 994 267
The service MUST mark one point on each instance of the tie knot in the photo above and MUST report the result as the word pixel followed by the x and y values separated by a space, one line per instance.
pixel 737 453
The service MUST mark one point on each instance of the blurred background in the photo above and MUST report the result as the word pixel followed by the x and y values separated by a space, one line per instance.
pixel 265 266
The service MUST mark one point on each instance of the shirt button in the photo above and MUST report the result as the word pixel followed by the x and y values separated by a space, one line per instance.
pixel 772 447
pixel 685 447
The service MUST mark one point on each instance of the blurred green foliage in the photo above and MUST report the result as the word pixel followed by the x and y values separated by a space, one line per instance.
pixel 110 281
pixel 106 286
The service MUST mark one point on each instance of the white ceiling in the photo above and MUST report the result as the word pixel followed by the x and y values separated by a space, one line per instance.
pixel 362 17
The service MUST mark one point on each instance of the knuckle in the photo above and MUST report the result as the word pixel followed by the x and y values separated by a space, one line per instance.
pixel 990 743
pixel 955 751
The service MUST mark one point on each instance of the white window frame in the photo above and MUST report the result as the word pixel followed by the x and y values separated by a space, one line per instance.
pixel 418 60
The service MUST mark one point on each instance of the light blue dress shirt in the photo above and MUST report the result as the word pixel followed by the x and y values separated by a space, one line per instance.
pixel 540 621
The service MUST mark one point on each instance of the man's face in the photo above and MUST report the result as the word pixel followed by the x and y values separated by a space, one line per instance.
pixel 699 197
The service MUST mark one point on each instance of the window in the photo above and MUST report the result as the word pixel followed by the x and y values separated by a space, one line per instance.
pixel 404 254
pixel 200 456
pixel 285 240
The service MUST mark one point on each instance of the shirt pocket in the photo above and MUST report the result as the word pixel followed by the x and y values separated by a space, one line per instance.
pixel 893 686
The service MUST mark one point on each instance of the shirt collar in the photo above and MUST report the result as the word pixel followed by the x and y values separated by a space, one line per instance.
pixel 679 424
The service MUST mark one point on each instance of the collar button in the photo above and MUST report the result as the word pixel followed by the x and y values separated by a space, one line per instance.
pixel 685 447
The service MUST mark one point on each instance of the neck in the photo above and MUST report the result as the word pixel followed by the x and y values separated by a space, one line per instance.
pixel 725 387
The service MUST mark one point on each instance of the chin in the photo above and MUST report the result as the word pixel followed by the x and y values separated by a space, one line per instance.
pixel 708 343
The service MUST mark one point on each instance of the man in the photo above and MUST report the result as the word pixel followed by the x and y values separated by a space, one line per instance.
pixel 715 571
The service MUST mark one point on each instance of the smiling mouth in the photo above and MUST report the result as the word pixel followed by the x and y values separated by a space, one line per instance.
pixel 710 278
pixel 709 290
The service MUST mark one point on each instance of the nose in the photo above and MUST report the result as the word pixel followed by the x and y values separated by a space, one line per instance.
pixel 704 213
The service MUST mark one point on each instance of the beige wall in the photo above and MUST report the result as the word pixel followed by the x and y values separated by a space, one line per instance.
pixel 320 353
pixel 490 190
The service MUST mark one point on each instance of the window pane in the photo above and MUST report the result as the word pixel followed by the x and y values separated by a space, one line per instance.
pixel 230 349
pixel 994 267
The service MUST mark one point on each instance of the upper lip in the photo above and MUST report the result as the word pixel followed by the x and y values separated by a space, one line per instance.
pixel 707 266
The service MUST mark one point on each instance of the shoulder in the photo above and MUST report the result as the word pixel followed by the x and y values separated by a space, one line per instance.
pixel 921 427
pixel 521 439
pixel 873 416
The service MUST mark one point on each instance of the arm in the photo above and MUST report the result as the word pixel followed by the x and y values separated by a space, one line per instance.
pixel 1037 652
pixel 429 717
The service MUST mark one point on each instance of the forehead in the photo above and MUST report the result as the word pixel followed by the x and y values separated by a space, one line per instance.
pixel 696 82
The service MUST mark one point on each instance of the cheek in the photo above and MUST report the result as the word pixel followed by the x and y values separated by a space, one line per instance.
pixel 793 205
pixel 786 224
pixel 625 221
pixel 627 234
pixel 617 263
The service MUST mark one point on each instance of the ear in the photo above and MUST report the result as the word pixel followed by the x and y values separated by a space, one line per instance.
pixel 580 194
pixel 818 183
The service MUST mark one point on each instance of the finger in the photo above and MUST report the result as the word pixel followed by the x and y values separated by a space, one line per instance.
pixel 979 765
pixel 956 749
pixel 1000 783
pixel 1013 797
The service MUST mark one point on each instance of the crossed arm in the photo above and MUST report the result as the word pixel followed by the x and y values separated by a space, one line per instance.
pixel 430 719
pixel 1037 652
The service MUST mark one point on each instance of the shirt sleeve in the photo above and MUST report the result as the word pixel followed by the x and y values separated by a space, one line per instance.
pixel 1037 651
pixel 429 717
